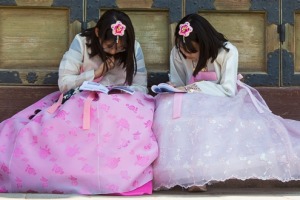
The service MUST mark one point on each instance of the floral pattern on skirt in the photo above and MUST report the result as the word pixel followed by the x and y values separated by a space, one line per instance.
pixel 52 153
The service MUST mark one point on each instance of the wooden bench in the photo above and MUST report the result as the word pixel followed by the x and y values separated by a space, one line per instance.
pixel 283 101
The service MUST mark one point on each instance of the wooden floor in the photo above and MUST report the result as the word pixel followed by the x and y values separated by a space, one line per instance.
pixel 211 194
pixel 229 190
pixel 284 102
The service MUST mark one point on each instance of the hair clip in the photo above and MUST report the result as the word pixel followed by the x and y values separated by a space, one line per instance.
pixel 185 30
pixel 118 29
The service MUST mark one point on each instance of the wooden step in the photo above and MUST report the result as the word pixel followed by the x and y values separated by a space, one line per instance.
pixel 283 101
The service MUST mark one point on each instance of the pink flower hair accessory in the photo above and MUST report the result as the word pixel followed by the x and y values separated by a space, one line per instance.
pixel 118 29
pixel 185 29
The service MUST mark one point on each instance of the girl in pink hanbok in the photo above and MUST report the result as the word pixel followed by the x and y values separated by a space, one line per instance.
pixel 83 141
pixel 221 128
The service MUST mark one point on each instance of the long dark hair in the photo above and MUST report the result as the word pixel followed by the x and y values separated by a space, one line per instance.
pixel 105 33
pixel 204 34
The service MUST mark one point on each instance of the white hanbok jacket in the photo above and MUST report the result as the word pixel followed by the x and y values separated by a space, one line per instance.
pixel 76 67
pixel 225 66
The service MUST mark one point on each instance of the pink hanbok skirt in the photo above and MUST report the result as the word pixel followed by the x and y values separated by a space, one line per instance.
pixel 102 146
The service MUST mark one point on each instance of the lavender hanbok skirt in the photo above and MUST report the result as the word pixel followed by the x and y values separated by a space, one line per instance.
pixel 216 138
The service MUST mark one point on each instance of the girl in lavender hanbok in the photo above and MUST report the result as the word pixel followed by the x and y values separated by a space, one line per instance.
pixel 92 143
pixel 221 128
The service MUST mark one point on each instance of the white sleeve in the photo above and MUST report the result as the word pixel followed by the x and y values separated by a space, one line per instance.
pixel 177 69
pixel 139 82
pixel 70 75
pixel 229 69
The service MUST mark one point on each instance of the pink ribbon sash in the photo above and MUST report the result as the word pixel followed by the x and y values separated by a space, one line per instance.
pixel 258 104
pixel 177 101
pixel 54 106
pixel 177 104
pixel 87 110
pixel 204 76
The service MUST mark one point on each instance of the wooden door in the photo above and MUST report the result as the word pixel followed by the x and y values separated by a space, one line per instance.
pixel 252 27
pixel 34 34
pixel 154 22
pixel 290 46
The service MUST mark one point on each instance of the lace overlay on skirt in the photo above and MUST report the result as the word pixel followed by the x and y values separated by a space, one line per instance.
pixel 220 138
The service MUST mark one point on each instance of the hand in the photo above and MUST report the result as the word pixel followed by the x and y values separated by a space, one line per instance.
pixel 110 62
pixel 182 88
pixel 101 71
pixel 192 88
pixel 172 84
